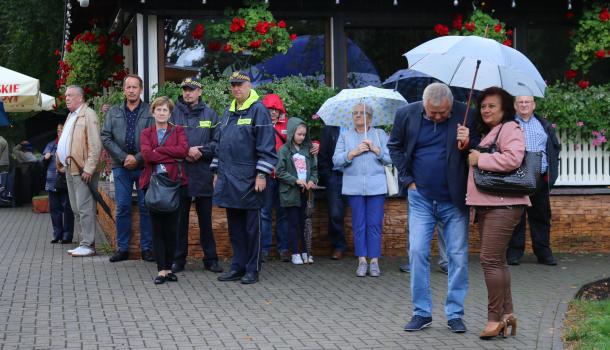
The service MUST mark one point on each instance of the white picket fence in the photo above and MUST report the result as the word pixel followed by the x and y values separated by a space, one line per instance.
pixel 582 164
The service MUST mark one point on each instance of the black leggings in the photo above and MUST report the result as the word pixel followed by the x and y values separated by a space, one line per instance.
pixel 296 218
pixel 164 233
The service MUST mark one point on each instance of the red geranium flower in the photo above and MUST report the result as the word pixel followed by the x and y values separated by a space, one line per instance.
pixel 102 39
pixel 227 48
pixel 198 32
pixel 604 15
pixel 69 46
pixel 571 74
pixel 498 28
pixel 106 83
pixel 87 90
pixel 470 26
pixel 101 49
pixel 583 84
pixel 255 44
pixel 281 24
pixel 457 22
pixel 569 15
pixel 600 53
pixel 293 37
pixel 509 32
pixel 238 24
pixel 118 59
pixel 508 42
pixel 125 41
pixel 214 46
pixel 57 52
pixel 441 29
pixel 262 28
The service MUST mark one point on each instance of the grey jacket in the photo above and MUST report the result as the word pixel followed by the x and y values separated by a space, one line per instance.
pixel 114 129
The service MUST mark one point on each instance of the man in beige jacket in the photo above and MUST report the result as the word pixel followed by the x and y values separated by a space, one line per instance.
pixel 79 150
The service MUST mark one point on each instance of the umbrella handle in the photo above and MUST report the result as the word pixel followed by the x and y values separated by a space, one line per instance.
pixel 474 79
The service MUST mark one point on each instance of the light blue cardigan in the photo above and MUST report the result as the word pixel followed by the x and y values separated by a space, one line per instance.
pixel 364 175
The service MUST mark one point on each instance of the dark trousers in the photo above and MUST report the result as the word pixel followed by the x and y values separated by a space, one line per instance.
pixel 296 217
pixel 539 218
pixel 336 210
pixel 245 236
pixel 496 227
pixel 164 229
pixel 62 216
pixel 203 206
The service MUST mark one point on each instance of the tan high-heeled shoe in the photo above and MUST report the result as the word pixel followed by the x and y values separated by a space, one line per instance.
pixel 499 330
pixel 511 321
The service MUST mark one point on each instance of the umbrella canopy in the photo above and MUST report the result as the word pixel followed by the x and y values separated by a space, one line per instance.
pixel 42 102
pixel 452 60
pixel 337 110
pixel 411 84
pixel 3 116
pixel 16 84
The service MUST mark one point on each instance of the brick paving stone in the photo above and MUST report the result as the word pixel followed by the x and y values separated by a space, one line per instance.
pixel 49 300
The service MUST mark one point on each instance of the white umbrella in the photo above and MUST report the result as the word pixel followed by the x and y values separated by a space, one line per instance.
pixel 337 110
pixel 43 102
pixel 453 60
pixel 16 84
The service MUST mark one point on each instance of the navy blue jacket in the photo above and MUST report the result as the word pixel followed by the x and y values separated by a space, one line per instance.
pixel 199 123
pixel 404 137
pixel 245 147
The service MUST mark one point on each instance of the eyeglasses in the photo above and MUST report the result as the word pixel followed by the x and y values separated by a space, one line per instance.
pixel 525 102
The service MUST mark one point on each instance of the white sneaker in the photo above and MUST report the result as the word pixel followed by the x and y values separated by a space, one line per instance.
pixel 296 259
pixel 305 258
pixel 310 259
pixel 83 251
pixel 70 251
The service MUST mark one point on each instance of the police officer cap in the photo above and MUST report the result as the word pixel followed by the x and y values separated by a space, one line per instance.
pixel 238 77
pixel 191 83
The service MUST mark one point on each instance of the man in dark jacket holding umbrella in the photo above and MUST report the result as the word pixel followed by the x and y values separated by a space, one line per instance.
pixel 245 157
pixel 199 122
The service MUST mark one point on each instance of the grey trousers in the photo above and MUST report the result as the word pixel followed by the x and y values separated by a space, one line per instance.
pixel 84 207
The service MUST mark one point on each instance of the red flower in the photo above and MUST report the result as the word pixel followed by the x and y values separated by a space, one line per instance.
pixel 498 28
pixel 604 15
pixel 118 59
pixel 198 32
pixel 262 28
pixel 214 46
pixel 571 74
pixel 583 84
pixel 600 53
pixel 508 42
pixel 88 37
pixel 227 48
pixel 281 24
pixel 233 27
pixel 57 52
pixel 69 46
pixel 238 24
pixel 272 24
pixel 106 83
pixel 470 26
pixel 77 37
pixel 87 90
pixel 569 15
pixel 457 22
pixel 255 44
pixel 113 34
pixel 125 41
pixel 101 49
pixel 102 39
pixel 509 32
pixel 441 29
pixel 293 37
pixel 269 41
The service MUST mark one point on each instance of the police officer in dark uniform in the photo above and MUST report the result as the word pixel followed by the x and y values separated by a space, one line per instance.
pixel 245 156
pixel 199 122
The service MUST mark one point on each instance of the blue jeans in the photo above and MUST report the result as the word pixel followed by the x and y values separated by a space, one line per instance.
pixel 272 201
pixel 62 217
pixel 123 185
pixel 367 223
pixel 424 214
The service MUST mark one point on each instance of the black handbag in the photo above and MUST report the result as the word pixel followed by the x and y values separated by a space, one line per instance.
pixel 60 181
pixel 519 182
pixel 163 194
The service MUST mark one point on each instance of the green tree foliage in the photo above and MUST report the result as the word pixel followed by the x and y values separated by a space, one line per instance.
pixel 31 31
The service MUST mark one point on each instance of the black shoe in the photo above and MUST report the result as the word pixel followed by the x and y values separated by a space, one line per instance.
pixel 285 256
pixel 66 241
pixel 171 277
pixel 231 276
pixel 147 255
pixel 119 256
pixel 159 280
pixel 512 261
pixel 444 269
pixel 250 278
pixel 53 241
pixel 418 323
pixel 456 325
pixel 213 266
pixel 177 268
pixel 404 268
pixel 548 261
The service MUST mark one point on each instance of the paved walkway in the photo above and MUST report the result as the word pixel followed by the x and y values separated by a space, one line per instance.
pixel 49 300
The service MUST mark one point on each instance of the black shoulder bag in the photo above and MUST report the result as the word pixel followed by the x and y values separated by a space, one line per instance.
pixel 519 182
pixel 163 194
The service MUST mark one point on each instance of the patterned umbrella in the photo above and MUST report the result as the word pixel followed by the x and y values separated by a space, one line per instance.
pixel 337 110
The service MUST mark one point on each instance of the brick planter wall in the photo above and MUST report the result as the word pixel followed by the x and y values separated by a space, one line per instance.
pixel 581 223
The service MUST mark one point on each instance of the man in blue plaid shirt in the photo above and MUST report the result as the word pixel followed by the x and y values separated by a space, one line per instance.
pixel 539 136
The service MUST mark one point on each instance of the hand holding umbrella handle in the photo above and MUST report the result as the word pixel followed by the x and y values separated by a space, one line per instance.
pixel 461 144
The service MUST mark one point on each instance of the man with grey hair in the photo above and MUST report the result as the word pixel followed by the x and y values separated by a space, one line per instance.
pixel 79 150
pixel 429 147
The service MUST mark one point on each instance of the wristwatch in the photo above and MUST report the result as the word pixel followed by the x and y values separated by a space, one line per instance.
pixel 261 175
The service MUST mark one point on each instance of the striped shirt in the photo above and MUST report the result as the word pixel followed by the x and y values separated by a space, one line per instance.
pixel 535 137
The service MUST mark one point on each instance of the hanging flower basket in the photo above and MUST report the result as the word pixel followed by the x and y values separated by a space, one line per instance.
pixel 479 23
